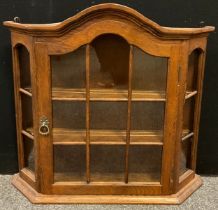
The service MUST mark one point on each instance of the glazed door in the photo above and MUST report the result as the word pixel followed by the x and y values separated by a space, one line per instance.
pixel 109 128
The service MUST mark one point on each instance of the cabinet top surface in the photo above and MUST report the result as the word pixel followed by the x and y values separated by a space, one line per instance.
pixel 110 11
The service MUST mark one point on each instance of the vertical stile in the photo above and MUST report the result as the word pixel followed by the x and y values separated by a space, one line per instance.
pixel 87 113
pixel 129 113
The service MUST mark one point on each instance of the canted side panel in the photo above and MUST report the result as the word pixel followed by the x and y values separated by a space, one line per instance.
pixel 23 76
pixel 201 51
pixel 192 64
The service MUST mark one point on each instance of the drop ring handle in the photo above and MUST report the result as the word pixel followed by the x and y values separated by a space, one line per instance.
pixel 44 126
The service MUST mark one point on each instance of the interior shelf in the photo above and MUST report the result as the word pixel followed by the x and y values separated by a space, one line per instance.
pixel 26 91
pixel 108 137
pixel 101 95
pixel 28 133
pixel 190 94
pixel 106 177
pixel 106 95
pixel 63 136
pixel 186 134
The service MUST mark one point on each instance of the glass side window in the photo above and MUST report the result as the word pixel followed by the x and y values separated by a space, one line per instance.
pixel 188 135
pixel 24 66
pixel 26 110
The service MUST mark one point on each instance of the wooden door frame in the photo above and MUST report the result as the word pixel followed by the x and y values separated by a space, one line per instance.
pixel 44 156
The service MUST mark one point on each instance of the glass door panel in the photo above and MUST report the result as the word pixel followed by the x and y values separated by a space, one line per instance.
pixel 149 72
pixel 69 122
pixel 108 115
pixel 93 127
pixel 148 116
pixel 69 115
pixel 149 80
pixel 108 122
pixel 69 163
pixel 107 163
pixel 68 70
pixel 145 163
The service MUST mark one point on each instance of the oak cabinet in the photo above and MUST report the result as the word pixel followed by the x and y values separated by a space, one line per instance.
pixel 107 108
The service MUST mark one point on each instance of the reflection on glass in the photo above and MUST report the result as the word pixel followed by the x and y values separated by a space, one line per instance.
pixel 69 163
pixel 149 72
pixel 28 147
pixel 69 115
pixel 109 56
pixel 107 163
pixel 145 163
pixel 108 115
pixel 68 70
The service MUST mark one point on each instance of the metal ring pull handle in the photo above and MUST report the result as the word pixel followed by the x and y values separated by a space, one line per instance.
pixel 44 126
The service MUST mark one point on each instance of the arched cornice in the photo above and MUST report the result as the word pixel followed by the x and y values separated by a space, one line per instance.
pixel 108 10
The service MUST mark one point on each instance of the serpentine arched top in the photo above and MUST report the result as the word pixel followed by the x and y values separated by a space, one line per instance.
pixel 107 10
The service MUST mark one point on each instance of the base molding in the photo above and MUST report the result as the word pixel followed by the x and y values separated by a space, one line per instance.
pixel 36 197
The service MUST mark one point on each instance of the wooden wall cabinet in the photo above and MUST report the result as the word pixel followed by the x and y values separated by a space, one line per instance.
pixel 107 108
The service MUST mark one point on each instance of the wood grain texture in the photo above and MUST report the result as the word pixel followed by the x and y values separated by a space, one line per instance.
pixel 44 147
